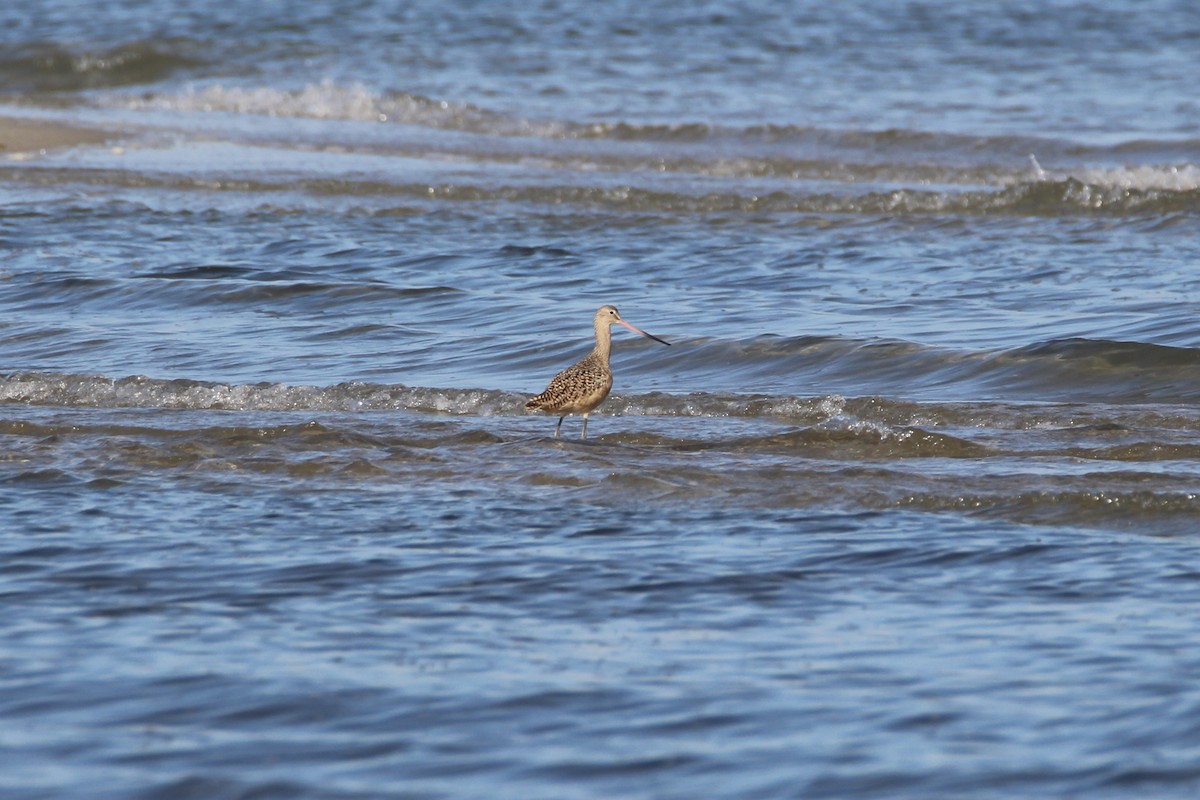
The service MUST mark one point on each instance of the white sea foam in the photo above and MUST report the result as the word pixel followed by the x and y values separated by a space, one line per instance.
pixel 98 391
pixel 1180 178
pixel 325 100
pixel 334 101
pixel 1147 177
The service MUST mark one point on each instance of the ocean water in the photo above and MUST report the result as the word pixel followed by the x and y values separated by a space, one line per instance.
pixel 910 508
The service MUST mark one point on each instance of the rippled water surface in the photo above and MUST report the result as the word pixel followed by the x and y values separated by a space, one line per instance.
pixel 907 510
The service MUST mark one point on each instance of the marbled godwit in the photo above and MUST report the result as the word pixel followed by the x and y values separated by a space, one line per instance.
pixel 578 389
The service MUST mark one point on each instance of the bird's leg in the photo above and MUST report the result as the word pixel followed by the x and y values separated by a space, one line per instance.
pixel 559 425
pixel 583 433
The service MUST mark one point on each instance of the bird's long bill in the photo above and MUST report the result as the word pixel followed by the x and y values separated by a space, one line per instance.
pixel 642 332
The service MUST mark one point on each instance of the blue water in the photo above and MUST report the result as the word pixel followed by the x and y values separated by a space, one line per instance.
pixel 907 510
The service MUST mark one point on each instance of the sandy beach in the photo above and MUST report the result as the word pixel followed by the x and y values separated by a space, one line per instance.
pixel 18 136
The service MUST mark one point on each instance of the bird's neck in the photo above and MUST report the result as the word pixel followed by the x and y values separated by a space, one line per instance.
pixel 603 340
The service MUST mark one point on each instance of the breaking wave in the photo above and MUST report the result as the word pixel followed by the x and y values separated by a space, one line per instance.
pixel 1068 463
pixel 98 391
pixel 881 412
pixel 766 150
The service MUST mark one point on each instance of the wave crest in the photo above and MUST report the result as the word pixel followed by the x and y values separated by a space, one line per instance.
pixel 329 100
pixel 54 68
pixel 98 391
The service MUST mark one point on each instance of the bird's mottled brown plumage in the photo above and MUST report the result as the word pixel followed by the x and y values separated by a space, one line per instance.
pixel 579 388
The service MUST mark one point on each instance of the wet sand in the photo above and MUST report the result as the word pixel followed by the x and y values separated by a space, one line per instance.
pixel 23 136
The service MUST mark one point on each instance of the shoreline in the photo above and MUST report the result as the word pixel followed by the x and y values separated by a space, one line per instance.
pixel 21 137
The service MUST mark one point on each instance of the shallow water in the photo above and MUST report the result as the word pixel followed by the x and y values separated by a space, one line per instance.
pixel 908 509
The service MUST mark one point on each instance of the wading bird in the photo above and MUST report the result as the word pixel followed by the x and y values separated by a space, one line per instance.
pixel 578 389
